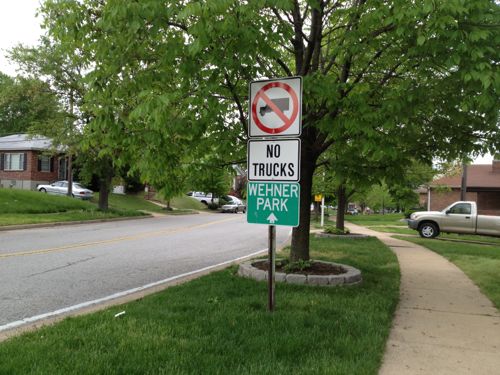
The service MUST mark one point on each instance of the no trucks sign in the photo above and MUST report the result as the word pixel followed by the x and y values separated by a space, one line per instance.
pixel 274 160
pixel 276 108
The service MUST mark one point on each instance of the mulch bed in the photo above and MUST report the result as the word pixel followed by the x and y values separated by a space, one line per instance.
pixel 316 268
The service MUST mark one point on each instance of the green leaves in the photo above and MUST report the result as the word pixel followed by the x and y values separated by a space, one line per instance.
pixel 26 105
pixel 384 82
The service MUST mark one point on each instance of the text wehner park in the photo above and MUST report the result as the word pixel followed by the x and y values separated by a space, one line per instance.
pixel 274 190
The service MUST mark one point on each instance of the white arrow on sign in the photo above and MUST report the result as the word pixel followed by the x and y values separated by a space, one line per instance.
pixel 271 218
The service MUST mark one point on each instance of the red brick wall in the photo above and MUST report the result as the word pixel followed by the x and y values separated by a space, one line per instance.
pixel 440 200
pixel 31 172
pixel 35 175
pixel 488 203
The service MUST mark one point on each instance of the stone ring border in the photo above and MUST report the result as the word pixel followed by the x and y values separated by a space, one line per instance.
pixel 350 277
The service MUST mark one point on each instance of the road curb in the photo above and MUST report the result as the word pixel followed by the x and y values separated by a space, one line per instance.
pixel 64 223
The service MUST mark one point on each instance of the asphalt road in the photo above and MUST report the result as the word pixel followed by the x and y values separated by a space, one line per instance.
pixel 46 269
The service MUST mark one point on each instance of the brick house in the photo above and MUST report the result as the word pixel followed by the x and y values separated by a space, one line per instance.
pixel 25 162
pixel 483 187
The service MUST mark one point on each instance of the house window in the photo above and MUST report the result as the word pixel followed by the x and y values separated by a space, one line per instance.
pixel 44 163
pixel 13 162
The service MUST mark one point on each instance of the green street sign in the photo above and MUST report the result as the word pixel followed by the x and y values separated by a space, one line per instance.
pixel 273 203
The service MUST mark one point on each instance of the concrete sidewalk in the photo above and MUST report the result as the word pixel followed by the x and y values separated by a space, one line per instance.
pixel 443 323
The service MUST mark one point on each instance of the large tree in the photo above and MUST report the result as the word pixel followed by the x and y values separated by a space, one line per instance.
pixel 64 70
pixel 398 79
pixel 26 103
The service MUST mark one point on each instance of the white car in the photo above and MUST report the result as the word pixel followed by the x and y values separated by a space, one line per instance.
pixel 233 205
pixel 202 197
pixel 61 188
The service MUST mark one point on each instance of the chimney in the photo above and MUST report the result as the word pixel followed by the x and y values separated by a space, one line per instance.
pixel 496 164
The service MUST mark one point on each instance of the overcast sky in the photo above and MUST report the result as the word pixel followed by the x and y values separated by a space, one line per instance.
pixel 19 24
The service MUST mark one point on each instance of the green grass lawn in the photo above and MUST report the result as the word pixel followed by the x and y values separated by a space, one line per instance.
pixel 393 229
pixel 469 237
pixel 219 324
pixel 377 219
pixel 480 262
pixel 15 201
pixel 31 207
pixel 389 223
pixel 131 202
pixel 83 215
pixel 182 204
pixel 187 203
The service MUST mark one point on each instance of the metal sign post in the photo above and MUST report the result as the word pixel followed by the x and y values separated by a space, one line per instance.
pixel 275 114
pixel 271 266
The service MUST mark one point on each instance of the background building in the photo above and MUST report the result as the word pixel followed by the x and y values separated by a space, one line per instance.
pixel 483 187
pixel 26 162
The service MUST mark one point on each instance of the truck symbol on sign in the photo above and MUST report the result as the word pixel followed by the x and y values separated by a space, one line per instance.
pixel 282 103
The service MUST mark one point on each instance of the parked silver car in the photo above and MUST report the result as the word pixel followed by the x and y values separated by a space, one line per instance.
pixel 61 188
pixel 233 205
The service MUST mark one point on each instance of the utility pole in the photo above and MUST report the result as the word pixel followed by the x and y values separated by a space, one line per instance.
pixel 70 154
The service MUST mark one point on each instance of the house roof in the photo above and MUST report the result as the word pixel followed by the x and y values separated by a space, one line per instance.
pixel 24 142
pixel 478 176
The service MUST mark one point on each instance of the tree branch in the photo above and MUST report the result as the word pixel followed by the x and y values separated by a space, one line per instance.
pixel 237 101
pixel 313 46
pixel 178 25
pixel 285 68
pixel 298 42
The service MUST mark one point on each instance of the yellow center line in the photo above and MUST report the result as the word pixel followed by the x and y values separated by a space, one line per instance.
pixel 113 240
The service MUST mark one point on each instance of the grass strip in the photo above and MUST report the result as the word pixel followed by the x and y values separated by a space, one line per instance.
pixel 218 324
pixel 20 207
pixel 470 237
pixel 15 201
pixel 377 219
pixel 392 229
pixel 130 203
pixel 181 205
pixel 481 263
pixel 59 217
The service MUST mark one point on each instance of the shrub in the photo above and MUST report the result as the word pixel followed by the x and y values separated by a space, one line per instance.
pixel 299 265
pixel 330 229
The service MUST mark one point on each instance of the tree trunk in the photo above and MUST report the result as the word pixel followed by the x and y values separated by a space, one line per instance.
pixel 341 203
pixel 169 208
pixel 300 235
pixel 317 210
pixel 104 187
pixel 105 184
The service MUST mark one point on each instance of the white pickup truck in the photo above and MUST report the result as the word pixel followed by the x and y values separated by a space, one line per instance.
pixel 202 197
pixel 459 217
